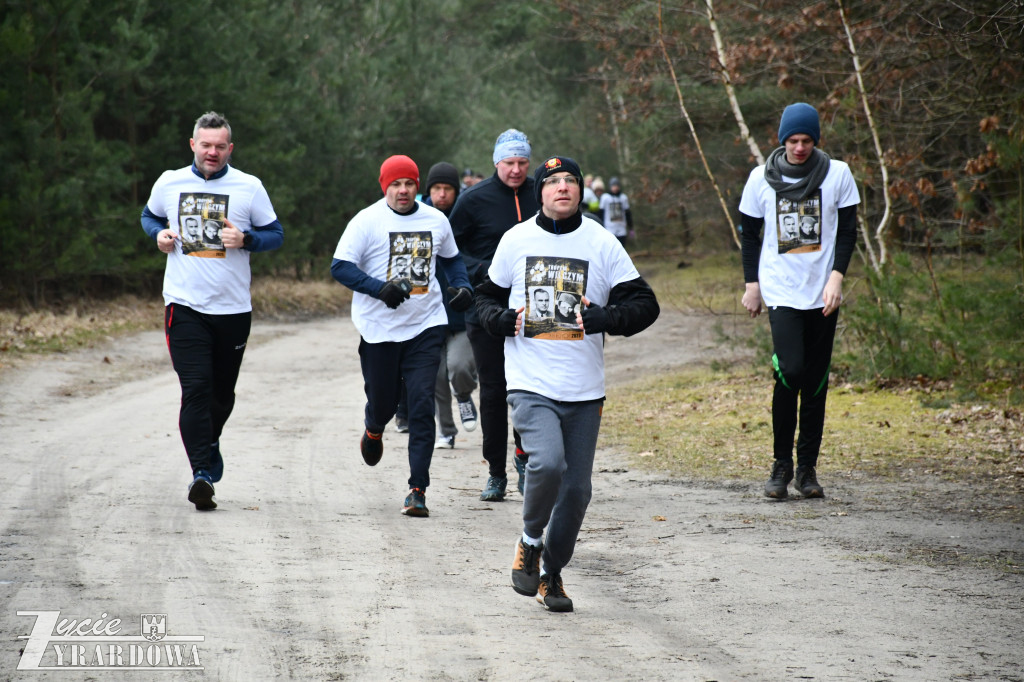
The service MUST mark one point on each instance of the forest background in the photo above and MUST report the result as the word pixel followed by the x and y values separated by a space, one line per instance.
pixel 923 98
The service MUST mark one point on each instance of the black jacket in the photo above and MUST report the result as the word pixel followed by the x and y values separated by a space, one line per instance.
pixel 482 214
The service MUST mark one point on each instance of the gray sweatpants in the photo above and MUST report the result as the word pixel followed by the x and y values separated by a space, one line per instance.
pixel 457 374
pixel 560 438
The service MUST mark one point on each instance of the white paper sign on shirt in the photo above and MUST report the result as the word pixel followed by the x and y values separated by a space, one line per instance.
pixel 554 287
pixel 798 224
pixel 200 221
pixel 410 258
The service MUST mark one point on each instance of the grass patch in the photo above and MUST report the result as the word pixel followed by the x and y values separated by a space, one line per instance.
pixel 696 423
pixel 707 284
pixel 292 299
pixel 81 325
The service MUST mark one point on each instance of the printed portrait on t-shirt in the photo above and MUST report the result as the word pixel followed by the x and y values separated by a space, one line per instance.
pixel 810 230
pixel 539 305
pixel 419 272
pixel 788 231
pixel 211 232
pixel 399 267
pixel 554 288
pixel 410 258
pixel 191 235
pixel 799 226
pixel 200 221
pixel 566 307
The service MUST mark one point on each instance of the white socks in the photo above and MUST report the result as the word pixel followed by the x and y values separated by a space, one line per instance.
pixel 533 542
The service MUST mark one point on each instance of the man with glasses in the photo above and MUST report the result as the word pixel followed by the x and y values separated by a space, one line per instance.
pixel 482 214
pixel 555 375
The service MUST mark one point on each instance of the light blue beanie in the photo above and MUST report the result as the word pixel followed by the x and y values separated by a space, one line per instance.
pixel 511 143
pixel 799 118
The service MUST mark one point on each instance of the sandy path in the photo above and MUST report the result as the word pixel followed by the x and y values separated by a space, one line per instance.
pixel 307 570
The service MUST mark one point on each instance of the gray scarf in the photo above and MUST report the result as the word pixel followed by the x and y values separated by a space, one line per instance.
pixel 811 174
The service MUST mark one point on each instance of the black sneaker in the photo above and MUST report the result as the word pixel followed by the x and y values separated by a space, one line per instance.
pixel 494 491
pixel 807 482
pixel 782 474
pixel 200 492
pixel 216 463
pixel 519 459
pixel 526 568
pixel 372 447
pixel 552 595
pixel 416 503
pixel 467 413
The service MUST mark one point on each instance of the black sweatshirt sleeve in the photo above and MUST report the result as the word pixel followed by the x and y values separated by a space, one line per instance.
pixel 632 307
pixel 750 245
pixel 846 238
pixel 491 301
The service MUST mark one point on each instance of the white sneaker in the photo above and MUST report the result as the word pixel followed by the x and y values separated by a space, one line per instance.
pixel 445 442
pixel 467 413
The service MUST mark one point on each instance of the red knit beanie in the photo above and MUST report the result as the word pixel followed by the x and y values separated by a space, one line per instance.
pixel 395 167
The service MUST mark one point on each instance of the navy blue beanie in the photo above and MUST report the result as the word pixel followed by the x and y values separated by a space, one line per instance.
pixel 556 164
pixel 799 118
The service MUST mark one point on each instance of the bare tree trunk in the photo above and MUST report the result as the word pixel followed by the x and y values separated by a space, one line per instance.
pixel 625 160
pixel 693 131
pixel 872 258
pixel 613 117
pixel 1020 215
pixel 883 224
pixel 729 90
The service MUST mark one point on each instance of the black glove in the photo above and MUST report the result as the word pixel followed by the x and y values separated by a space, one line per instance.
pixel 507 322
pixel 595 319
pixel 461 298
pixel 395 292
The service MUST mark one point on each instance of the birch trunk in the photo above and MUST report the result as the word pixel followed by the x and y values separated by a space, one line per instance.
pixel 693 132
pixel 729 90
pixel 883 224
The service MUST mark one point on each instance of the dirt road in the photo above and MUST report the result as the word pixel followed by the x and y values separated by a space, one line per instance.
pixel 307 570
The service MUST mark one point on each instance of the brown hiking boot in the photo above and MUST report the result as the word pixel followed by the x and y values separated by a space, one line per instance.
pixel 552 595
pixel 526 568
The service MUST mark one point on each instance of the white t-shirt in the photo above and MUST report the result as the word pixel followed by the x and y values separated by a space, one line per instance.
pixel 798 248
pixel 389 246
pixel 615 207
pixel 200 272
pixel 551 355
